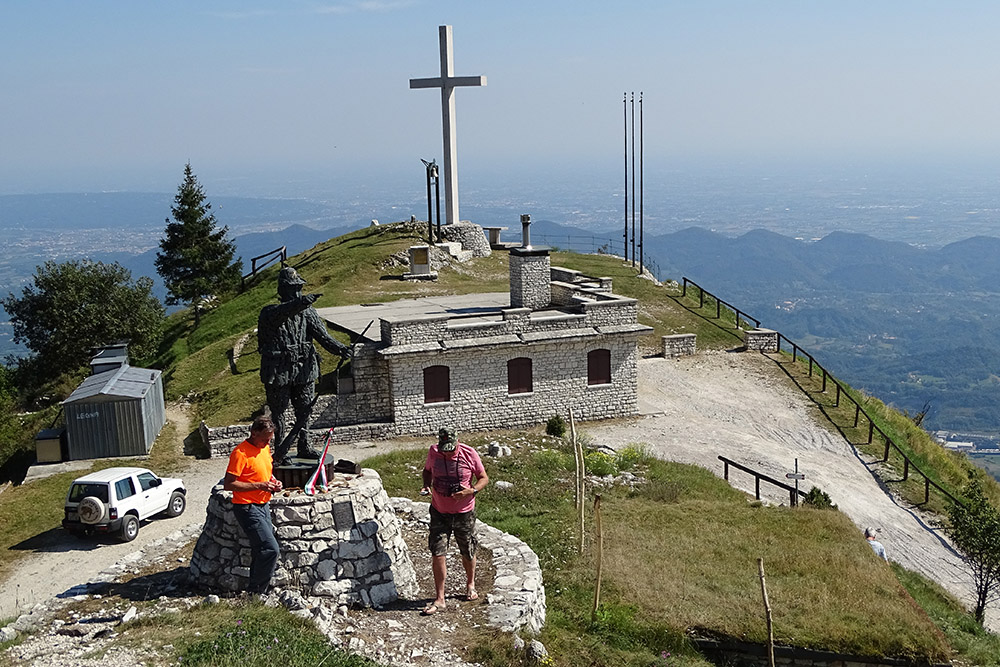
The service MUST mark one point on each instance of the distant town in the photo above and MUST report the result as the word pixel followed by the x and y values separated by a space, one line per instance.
pixel 969 442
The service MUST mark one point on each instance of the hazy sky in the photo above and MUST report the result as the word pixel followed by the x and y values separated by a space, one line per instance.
pixel 119 95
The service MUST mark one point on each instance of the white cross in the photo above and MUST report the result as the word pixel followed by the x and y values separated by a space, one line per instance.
pixel 447 82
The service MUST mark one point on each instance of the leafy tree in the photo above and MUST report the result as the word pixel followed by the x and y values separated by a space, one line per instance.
pixel 72 307
pixel 975 530
pixel 195 258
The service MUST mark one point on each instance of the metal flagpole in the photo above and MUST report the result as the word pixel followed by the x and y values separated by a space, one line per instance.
pixel 633 178
pixel 625 113
pixel 640 182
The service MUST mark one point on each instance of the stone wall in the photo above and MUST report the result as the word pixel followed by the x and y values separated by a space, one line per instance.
pixel 764 340
pixel 517 601
pixel 470 235
pixel 679 345
pixel 479 398
pixel 345 544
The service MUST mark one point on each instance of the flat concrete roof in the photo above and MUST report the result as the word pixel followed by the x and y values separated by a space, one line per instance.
pixel 353 320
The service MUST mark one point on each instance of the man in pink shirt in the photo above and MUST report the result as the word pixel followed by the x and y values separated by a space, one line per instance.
pixel 448 476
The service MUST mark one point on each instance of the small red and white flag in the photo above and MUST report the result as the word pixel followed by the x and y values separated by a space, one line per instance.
pixel 318 479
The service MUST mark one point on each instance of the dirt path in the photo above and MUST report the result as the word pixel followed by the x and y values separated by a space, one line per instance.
pixel 739 405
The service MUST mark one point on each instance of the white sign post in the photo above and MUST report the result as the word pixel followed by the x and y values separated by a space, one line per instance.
pixel 796 476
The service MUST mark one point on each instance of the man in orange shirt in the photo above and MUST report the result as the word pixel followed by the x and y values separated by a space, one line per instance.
pixel 249 478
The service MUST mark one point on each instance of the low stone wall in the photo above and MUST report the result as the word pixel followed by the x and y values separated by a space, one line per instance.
pixel 221 441
pixel 345 544
pixel 745 654
pixel 679 345
pixel 470 235
pixel 517 601
pixel 765 340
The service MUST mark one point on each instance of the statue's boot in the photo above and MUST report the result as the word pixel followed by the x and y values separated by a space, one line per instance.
pixel 307 452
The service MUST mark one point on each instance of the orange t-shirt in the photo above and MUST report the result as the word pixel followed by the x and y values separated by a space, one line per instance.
pixel 250 464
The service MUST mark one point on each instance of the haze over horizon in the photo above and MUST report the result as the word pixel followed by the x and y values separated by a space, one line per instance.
pixel 303 98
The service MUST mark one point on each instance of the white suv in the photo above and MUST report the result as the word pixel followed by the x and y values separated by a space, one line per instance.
pixel 115 500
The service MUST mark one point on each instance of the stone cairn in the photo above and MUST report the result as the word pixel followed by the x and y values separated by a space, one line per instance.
pixel 345 544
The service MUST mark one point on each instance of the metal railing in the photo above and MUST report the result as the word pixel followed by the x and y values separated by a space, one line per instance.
pixel 740 315
pixel 793 493
pixel 270 257
pixel 841 391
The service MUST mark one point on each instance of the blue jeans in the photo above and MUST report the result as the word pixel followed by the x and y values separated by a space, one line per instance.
pixel 256 523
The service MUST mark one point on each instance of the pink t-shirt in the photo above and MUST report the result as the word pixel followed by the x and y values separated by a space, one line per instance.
pixel 460 468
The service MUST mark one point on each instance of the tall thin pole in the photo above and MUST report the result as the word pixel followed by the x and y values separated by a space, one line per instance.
pixel 430 218
pixel 437 196
pixel 625 114
pixel 640 182
pixel 633 178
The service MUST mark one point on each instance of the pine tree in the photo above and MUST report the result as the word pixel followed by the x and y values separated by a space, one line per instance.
pixel 195 258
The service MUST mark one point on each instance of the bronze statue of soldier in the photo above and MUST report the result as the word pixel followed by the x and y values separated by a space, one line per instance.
pixel 289 363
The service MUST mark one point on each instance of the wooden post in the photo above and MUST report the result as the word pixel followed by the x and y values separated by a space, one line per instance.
pixel 600 557
pixel 857 413
pixel 906 468
pixel 767 612
pixel 580 475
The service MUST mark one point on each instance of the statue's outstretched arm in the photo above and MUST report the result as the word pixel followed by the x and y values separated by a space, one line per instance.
pixel 318 332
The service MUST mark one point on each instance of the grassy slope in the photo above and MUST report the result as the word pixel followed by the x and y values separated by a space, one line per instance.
pixel 681 552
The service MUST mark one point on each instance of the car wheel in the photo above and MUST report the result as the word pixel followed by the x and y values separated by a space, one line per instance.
pixel 130 528
pixel 91 510
pixel 177 504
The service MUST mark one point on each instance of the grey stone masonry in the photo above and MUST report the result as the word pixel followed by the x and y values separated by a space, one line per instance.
pixel 764 340
pixel 679 345
pixel 530 278
pixel 470 235
pixel 345 544
pixel 517 601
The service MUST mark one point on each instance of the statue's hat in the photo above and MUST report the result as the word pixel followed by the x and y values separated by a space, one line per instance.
pixel 289 276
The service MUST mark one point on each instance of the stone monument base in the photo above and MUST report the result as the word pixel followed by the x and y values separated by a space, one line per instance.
pixel 344 544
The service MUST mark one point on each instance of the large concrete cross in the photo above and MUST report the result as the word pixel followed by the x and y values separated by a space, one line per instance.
pixel 447 82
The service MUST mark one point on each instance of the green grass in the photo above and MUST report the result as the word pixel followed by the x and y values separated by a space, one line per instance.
pixel 245 634
pixel 681 553
pixel 974 644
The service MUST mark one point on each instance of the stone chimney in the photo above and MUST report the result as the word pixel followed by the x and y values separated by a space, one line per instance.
pixel 529 272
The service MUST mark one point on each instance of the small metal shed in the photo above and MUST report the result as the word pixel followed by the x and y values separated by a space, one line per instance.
pixel 117 412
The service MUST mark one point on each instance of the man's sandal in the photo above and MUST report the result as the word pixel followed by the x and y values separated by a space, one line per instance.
pixel 471 595
pixel 432 609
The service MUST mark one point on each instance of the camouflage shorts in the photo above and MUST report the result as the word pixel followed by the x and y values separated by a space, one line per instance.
pixel 443 525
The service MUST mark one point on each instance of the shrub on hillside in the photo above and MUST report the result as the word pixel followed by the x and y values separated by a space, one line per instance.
pixel 819 499
pixel 556 426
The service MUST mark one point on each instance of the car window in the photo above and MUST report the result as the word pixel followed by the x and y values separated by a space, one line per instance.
pixel 80 491
pixel 146 480
pixel 124 488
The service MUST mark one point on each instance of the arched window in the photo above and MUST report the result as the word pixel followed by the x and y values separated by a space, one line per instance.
pixel 519 376
pixel 437 384
pixel 599 367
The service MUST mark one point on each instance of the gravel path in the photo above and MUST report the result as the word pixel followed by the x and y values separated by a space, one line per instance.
pixel 741 406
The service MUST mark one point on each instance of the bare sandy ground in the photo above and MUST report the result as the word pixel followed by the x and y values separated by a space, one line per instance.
pixel 741 406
